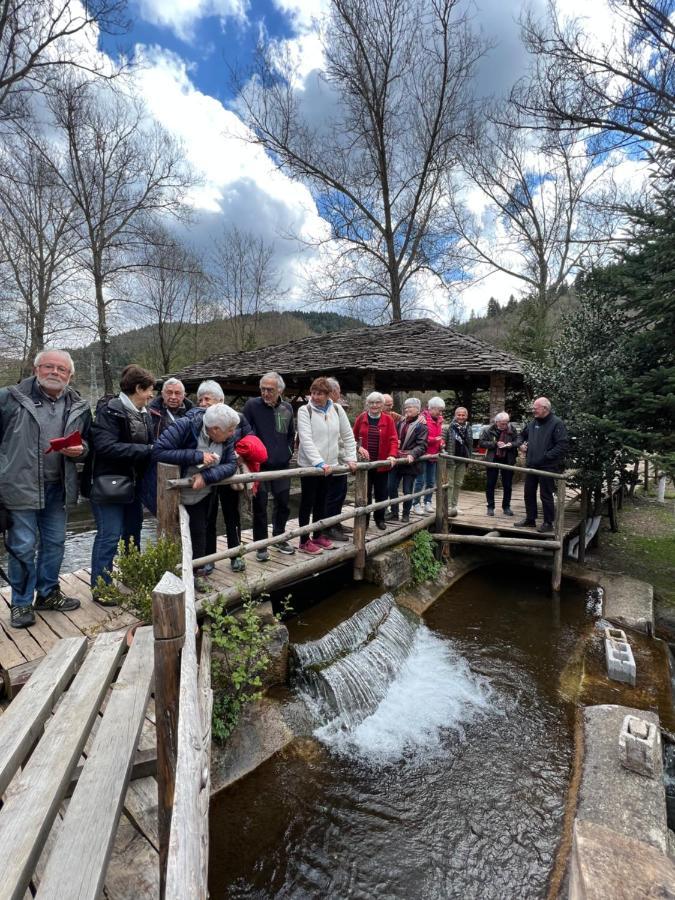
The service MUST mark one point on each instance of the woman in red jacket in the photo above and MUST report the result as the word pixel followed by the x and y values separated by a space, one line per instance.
pixel 376 439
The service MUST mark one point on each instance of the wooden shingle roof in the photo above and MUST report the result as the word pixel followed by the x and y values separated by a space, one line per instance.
pixel 414 352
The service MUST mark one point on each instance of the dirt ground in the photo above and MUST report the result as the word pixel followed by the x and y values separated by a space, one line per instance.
pixel 644 547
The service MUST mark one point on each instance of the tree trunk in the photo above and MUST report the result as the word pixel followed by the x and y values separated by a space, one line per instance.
pixel 103 334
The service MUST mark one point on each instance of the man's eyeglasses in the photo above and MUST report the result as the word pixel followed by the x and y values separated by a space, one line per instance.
pixel 264 390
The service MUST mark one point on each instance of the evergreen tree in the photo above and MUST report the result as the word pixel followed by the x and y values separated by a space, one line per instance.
pixel 493 308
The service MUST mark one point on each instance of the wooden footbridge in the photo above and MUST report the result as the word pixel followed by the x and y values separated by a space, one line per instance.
pixel 104 748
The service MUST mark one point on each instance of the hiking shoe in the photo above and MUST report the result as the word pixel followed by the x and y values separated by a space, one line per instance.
pixel 525 523
pixel 323 542
pixel 238 564
pixel 336 534
pixel 507 511
pixel 391 516
pixel 102 601
pixel 310 547
pixel 285 547
pixel 381 525
pixel 490 511
pixel 405 518
pixel 453 512
pixel 21 616
pixel 262 555
pixel 545 528
pixel 56 600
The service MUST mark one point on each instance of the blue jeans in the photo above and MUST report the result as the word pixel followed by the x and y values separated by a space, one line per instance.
pixel 28 525
pixel 115 522
pixel 426 479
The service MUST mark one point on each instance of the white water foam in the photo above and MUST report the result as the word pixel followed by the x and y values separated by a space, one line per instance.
pixel 434 692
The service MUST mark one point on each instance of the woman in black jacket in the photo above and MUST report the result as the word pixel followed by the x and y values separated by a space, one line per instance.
pixel 121 438
pixel 501 442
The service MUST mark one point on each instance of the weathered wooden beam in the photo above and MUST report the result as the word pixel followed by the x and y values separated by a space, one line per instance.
pixel 441 523
pixel 168 622
pixel 452 538
pixel 559 531
pixel 359 532
pixel 167 501
pixel 556 476
pixel 144 766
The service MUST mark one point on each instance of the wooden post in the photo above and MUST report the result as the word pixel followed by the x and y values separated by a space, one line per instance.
pixel 646 476
pixel 360 499
pixel 168 624
pixel 167 501
pixel 556 578
pixel 441 523
pixel 582 525
pixel 611 507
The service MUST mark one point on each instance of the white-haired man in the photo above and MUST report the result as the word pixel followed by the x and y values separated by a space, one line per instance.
pixel 546 442
pixel 459 443
pixel 271 420
pixel 500 442
pixel 37 482
pixel 172 404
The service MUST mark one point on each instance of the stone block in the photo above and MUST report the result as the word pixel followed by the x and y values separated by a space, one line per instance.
pixel 620 661
pixel 639 744
pixel 389 569
pixel 615 634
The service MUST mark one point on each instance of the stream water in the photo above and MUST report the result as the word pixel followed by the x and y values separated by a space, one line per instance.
pixel 453 787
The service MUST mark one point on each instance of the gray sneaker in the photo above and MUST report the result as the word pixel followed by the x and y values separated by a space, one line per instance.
pixel 286 548
pixel 238 564
pixel 262 555
pixel 21 616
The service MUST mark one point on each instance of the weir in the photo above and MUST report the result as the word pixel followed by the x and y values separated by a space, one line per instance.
pixel 351 668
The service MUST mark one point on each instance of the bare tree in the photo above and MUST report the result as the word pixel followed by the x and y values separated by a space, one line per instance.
pixel 373 137
pixel 39 243
pixel 121 170
pixel 39 37
pixel 552 210
pixel 622 84
pixel 244 282
pixel 167 290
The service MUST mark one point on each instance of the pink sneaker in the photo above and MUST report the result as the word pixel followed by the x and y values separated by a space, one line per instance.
pixel 323 541
pixel 310 546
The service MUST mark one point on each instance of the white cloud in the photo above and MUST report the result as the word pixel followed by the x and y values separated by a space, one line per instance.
pixel 181 15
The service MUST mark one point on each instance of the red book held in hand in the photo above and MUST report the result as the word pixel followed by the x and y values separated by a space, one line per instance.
pixel 70 440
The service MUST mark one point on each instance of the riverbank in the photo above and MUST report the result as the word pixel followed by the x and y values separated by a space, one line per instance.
pixel 643 548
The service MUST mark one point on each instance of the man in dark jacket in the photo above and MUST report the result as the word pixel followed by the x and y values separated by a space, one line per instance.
pixel 546 441
pixel 459 443
pixel 172 404
pixel 500 441
pixel 271 420
pixel 412 439
pixel 37 484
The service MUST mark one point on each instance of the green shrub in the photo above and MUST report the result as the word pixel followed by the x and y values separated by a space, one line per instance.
pixel 137 573
pixel 240 658
pixel 423 564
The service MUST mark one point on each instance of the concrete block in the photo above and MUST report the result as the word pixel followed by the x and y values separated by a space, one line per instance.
pixel 639 744
pixel 389 569
pixel 620 661
pixel 615 634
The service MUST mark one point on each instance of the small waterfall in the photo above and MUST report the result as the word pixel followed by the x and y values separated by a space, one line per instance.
pixel 385 685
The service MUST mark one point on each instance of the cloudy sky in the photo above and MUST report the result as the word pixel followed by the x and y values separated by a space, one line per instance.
pixel 188 48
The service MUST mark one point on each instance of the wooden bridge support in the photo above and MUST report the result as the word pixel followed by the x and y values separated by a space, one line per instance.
pixel 168 623
pixel 359 535
pixel 556 577
pixel 441 523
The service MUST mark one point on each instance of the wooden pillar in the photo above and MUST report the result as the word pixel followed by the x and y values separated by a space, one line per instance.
pixel 167 502
pixel 168 625
pixel 359 534
pixel 497 393
pixel 556 578
pixel 582 525
pixel 441 524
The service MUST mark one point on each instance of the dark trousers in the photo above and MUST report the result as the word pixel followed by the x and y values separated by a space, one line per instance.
pixel 507 484
pixel 378 485
pixel 115 522
pixel 229 501
pixel 280 491
pixel 546 493
pixel 336 491
pixel 408 482
pixel 313 491
pixel 199 524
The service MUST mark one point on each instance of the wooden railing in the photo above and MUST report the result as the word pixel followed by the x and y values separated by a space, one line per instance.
pixel 534 545
pixel 168 494
pixel 183 703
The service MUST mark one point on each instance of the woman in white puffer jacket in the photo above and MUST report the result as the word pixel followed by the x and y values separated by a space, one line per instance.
pixel 322 426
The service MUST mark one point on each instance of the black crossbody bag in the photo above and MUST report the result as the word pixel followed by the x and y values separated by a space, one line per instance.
pixel 112 489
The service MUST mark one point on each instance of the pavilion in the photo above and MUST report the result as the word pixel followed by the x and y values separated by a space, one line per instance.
pixel 411 355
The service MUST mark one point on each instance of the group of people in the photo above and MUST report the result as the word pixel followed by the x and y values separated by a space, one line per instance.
pixel 46 430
